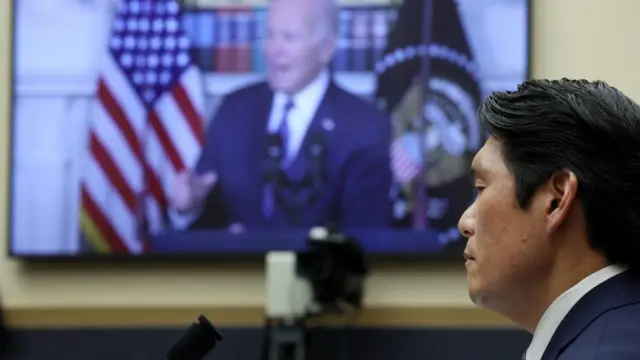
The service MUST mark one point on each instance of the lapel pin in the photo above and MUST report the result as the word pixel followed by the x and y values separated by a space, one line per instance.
pixel 328 124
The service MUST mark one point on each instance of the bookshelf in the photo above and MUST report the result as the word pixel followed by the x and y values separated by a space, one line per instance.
pixel 227 42
pixel 360 83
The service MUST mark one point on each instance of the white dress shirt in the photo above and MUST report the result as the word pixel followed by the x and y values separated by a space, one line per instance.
pixel 305 105
pixel 561 307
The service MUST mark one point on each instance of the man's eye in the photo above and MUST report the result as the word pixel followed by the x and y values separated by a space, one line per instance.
pixel 477 190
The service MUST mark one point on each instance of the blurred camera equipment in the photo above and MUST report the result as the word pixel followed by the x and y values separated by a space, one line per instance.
pixel 327 278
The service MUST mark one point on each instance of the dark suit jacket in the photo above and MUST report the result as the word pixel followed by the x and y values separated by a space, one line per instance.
pixel 357 162
pixel 6 342
pixel 603 325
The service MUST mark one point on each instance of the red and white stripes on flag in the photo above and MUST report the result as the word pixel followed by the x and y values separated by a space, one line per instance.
pixel 406 163
pixel 146 128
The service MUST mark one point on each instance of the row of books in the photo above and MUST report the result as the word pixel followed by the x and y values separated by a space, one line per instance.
pixel 231 40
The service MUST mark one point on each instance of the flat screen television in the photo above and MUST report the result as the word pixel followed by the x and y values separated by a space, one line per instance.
pixel 204 127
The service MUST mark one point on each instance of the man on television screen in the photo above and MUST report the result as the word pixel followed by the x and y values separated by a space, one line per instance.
pixel 297 150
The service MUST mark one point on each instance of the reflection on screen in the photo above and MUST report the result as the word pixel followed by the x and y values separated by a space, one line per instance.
pixel 172 127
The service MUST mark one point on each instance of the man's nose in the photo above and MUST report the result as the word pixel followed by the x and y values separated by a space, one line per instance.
pixel 274 48
pixel 466 224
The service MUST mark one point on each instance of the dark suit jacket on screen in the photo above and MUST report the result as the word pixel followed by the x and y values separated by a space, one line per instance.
pixel 357 162
pixel 603 325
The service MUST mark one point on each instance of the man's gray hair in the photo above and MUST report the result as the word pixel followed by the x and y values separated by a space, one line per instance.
pixel 329 22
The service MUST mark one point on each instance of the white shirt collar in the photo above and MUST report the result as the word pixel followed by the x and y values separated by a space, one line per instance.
pixel 561 307
pixel 306 103
pixel 307 98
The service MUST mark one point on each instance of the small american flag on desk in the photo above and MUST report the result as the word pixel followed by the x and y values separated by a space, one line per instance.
pixel 146 128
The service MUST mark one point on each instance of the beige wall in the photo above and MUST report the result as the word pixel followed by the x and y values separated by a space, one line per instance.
pixel 572 38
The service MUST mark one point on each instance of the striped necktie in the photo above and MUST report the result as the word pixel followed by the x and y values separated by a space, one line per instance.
pixel 284 130
pixel 268 201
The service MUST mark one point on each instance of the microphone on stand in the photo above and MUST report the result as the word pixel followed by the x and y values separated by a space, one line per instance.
pixel 316 153
pixel 272 175
pixel 294 194
pixel 273 157
pixel 196 342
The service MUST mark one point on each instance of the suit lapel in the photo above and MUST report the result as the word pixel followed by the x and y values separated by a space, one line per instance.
pixel 259 110
pixel 620 290
pixel 323 120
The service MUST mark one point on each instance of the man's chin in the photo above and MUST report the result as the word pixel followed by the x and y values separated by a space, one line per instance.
pixel 477 298
pixel 280 85
pixel 475 291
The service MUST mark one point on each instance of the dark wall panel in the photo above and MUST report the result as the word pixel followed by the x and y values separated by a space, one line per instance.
pixel 246 344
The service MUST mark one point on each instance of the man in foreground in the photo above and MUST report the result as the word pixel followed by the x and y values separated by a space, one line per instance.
pixel 554 234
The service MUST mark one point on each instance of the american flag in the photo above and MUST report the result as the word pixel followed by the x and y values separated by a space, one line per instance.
pixel 147 126
pixel 406 158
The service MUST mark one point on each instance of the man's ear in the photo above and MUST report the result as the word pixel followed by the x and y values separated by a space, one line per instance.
pixel 561 190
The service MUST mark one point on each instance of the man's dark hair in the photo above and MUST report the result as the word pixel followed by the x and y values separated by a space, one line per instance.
pixel 588 128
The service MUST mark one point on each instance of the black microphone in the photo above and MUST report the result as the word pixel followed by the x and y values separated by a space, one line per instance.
pixel 196 342
pixel 316 148
pixel 274 153
pixel 316 152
